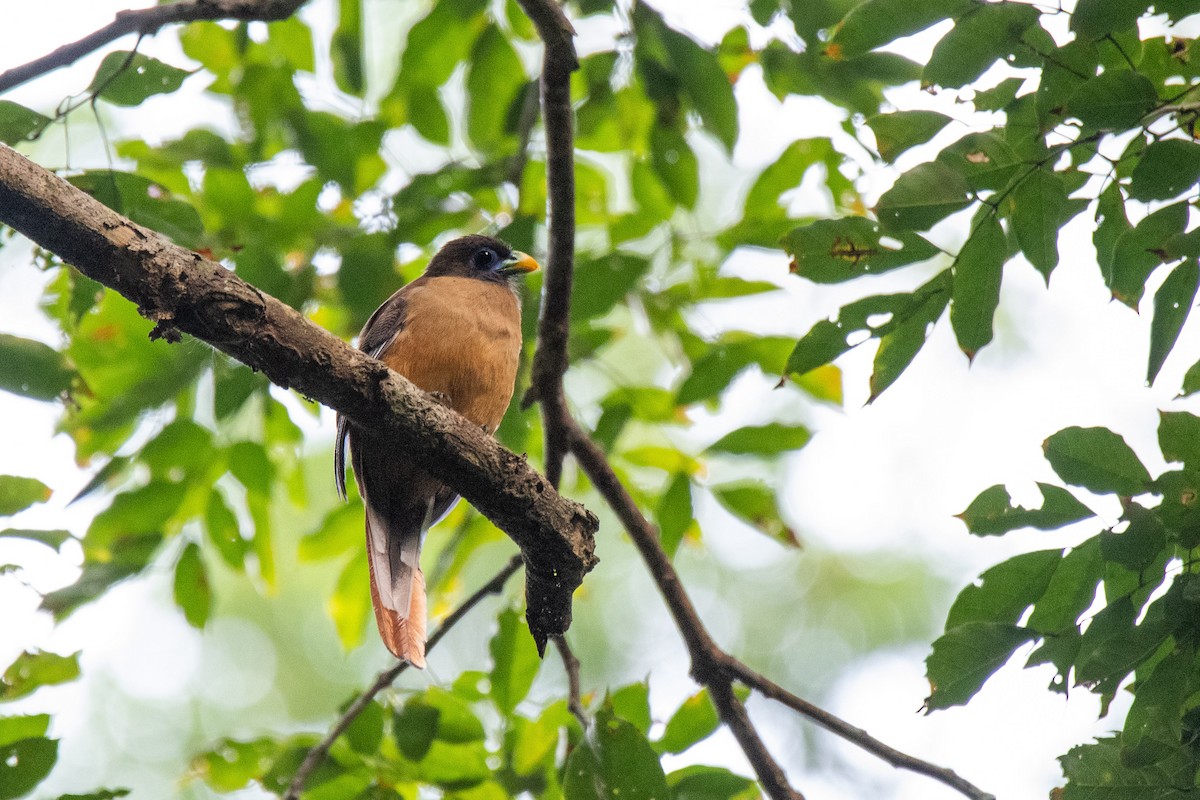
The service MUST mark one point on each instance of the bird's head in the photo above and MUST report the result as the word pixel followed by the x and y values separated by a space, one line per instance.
pixel 481 257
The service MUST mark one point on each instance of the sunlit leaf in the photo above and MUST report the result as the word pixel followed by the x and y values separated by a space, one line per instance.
pixel 34 669
pixel 19 493
pixel 515 661
pixel 693 721
pixel 754 503
pixel 763 440
pixel 350 604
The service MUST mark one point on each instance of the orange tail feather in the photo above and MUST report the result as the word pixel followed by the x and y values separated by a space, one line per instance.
pixel 404 636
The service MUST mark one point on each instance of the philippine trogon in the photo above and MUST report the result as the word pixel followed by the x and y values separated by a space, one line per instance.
pixel 456 333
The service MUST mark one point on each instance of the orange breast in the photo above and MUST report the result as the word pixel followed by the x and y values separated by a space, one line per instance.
pixel 462 338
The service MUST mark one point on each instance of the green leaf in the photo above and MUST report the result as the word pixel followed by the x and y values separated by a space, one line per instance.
pixel 1039 208
pixel 1114 100
pixel 999 96
pixel 675 164
pixel 695 720
pixel 127 78
pixel 992 512
pixel 900 130
pixel 714 370
pixel 192 592
pixel 602 283
pixel 966 656
pixel 632 704
pixel 1166 169
pixel 515 661
pixel 346 48
pixel 18 123
pixel 762 440
pixel 922 197
pixel 221 525
pixel 1179 437
pixel 976 289
pixel 984 160
pixel 18 494
pixel 14 729
pixel 231 764
pixel 34 669
pixel 675 516
pixel 495 84
pixel 755 504
pixel 1093 19
pixel 1004 591
pixel 24 764
pixel 428 115
pixel 1157 706
pixel 615 762
pixel 1065 69
pixel 350 603
pixel 1071 591
pixel 1099 771
pixel 1172 304
pixel 836 250
pixel 1096 459
pixel 1139 250
pixel 699 782
pixel 52 539
pixel 905 333
pixel 877 22
pixel 979 38
pixel 1137 547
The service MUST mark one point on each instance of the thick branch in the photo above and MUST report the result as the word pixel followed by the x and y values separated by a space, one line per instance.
pixel 386 678
pixel 182 291
pixel 145 21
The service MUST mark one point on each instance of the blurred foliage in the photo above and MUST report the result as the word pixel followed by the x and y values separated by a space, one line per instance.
pixel 197 455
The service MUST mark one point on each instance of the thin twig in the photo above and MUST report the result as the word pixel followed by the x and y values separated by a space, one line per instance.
pixel 385 679
pixel 768 688
pixel 525 125
pixel 574 693
pixel 144 22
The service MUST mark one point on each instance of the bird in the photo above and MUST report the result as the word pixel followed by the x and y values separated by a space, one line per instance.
pixel 454 332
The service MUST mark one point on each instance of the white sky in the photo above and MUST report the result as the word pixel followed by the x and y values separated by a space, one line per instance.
pixel 887 476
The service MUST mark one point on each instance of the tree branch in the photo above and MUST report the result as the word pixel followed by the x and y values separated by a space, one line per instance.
pixel 386 678
pixel 147 21
pixel 550 359
pixel 574 693
pixel 711 666
pixel 181 291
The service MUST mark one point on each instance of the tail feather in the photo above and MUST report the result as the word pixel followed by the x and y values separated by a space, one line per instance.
pixel 402 631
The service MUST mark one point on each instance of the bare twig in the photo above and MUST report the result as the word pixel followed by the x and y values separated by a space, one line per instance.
pixel 146 21
pixel 711 666
pixel 768 688
pixel 574 693
pixel 386 678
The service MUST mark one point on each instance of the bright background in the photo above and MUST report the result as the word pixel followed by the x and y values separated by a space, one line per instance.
pixel 872 496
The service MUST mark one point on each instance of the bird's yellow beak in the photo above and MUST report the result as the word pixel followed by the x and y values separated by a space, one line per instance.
pixel 520 262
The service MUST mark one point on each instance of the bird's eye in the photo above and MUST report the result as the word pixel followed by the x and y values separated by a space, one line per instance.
pixel 485 258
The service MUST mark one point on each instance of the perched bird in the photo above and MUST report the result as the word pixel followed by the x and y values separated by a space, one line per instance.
pixel 456 333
